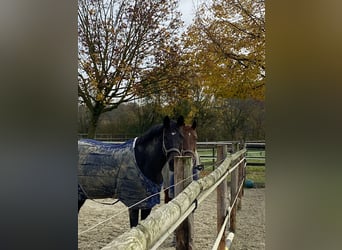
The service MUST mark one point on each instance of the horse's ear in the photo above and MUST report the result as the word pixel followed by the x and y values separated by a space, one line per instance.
pixel 194 124
pixel 180 121
pixel 167 122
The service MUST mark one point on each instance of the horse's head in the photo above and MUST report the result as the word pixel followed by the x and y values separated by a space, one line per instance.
pixel 190 141
pixel 172 138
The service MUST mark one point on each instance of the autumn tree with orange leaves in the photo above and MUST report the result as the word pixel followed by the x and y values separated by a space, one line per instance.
pixel 222 57
pixel 226 45
pixel 124 46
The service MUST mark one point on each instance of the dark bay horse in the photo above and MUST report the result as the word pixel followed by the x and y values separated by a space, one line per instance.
pixel 189 148
pixel 190 142
pixel 131 171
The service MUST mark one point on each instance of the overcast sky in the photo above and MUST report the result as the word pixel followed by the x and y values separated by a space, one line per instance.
pixel 187 9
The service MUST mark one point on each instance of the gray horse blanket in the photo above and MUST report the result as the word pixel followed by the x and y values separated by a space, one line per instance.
pixel 110 170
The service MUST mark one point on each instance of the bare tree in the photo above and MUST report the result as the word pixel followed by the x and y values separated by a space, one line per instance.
pixel 119 44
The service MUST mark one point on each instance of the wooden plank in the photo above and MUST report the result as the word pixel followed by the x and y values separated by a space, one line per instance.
pixel 183 173
pixel 156 225
pixel 233 194
pixel 148 231
pixel 240 180
pixel 133 239
pixel 221 197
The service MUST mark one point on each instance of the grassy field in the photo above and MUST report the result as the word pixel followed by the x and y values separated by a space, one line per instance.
pixel 255 167
pixel 256 157
pixel 207 158
pixel 257 175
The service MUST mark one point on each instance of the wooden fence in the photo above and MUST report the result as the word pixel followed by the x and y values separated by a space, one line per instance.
pixel 152 232
pixel 255 156
pixel 256 151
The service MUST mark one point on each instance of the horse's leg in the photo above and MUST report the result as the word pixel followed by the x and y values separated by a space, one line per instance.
pixel 172 188
pixel 195 174
pixel 80 204
pixel 166 196
pixel 166 182
pixel 133 217
pixel 81 197
pixel 145 213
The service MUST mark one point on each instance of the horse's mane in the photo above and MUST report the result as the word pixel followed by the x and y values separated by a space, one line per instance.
pixel 153 132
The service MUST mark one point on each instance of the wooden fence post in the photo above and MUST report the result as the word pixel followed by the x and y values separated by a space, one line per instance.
pixel 243 170
pixel 185 231
pixel 241 178
pixel 233 193
pixel 221 197
pixel 235 146
pixel 213 158
pixel 240 182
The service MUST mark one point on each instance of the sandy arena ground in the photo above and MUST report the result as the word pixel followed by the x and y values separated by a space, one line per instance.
pixel 250 234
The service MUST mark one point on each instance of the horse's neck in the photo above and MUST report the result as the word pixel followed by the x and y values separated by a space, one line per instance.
pixel 150 159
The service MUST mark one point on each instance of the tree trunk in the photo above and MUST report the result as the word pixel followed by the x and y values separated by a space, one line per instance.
pixel 93 124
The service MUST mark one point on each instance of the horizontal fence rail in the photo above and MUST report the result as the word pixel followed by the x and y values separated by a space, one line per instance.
pixel 151 232
pixel 208 153
pixel 255 149
pixel 256 153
